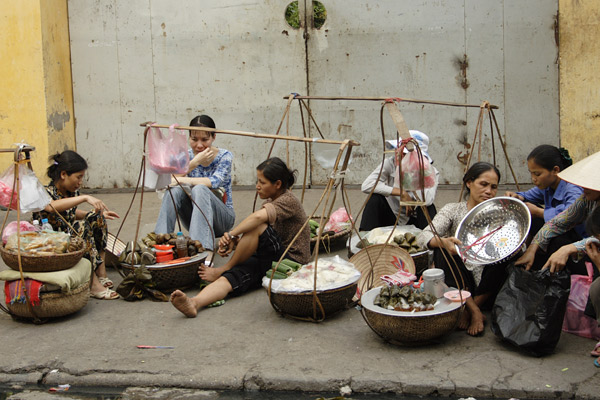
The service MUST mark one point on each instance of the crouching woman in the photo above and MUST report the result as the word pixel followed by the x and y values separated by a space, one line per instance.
pixel 258 240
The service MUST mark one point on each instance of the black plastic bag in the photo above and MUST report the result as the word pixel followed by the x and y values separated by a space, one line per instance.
pixel 530 308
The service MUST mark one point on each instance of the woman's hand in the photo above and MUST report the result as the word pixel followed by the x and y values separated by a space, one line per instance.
pixel 447 243
pixel 96 203
pixel 559 258
pixel 593 252
pixel 513 194
pixel 110 214
pixel 528 257
pixel 204 158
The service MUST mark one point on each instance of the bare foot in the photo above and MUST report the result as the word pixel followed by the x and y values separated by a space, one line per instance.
pixel 476 326
pixel 210 274
pixel 465 320
pixel 184 304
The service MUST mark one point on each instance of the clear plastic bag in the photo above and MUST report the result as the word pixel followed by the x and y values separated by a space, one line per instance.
pixel 168 151
pixel 32 194
pixel 40 243
pixel 410 168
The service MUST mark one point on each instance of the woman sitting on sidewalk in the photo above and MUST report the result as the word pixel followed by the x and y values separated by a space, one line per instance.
pixel 481 181
pixel 259 239
pixel 66 175
pixel 210 168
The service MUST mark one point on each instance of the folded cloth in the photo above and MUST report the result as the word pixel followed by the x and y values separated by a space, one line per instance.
pixel 14 293
pixel 67 279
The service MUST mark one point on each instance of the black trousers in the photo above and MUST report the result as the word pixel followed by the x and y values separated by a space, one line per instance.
pixel 378 213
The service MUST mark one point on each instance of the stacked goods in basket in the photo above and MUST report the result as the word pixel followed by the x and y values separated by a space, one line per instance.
pixel 331 273
pixel 150 248
pixel 284 269
pixel 406 241
pixel 404 298
pixel 42 251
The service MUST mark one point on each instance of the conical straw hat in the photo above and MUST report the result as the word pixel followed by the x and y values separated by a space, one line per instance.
pixel 584 173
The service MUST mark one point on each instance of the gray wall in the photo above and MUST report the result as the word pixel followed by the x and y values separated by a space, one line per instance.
pixel 167 61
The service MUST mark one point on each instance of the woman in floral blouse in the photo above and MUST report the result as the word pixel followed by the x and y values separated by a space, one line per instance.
pixel 66 175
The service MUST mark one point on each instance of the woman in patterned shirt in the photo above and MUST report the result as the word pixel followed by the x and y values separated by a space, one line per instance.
pixel 66 175
pixel 484 282
pixel 210 168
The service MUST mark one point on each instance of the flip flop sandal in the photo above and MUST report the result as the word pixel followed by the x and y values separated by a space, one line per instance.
pixel 596 363
pixel 596 351
pixel 106 282
pixel 107 294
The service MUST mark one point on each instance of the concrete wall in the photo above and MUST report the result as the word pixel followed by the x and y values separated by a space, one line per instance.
pixel 154 60
pixel 579 79
pixel 36 105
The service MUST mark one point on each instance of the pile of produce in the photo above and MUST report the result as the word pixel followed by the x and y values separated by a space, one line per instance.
pixel 404 298
pixel 284 269
pixel 314 229
pixel 407 241
pixel 143 251
pixel 42 243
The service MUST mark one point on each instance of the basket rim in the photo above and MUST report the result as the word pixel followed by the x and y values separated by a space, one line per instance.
pixel 163 267
pixel 369 295
pixel 11 252
pixel 305 293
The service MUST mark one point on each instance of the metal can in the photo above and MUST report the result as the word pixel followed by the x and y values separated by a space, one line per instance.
pixel 433 282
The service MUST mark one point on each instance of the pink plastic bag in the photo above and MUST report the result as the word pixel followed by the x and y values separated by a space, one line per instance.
pixel 11 229
pixel 339 221
pixel 410 168
pixel 576 321
pixel 168 151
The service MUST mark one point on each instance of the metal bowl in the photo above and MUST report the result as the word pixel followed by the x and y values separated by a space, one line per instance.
pixel 493 231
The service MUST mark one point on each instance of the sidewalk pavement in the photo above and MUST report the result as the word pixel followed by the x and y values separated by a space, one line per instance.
pixel 246 345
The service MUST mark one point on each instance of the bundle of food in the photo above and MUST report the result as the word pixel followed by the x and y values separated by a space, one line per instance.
pixel 332 273
pixel 143 251
pixel 407 241
pixel 314 229
pixel 284 269
pixel 43 243
pixel 404 298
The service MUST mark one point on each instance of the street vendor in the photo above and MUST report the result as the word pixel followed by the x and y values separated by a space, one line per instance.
pixel 484 282
pixel 551 195
pixel 259 239
pixel 210 168
pixel 66 173
pixel 557 245
pixel 383 207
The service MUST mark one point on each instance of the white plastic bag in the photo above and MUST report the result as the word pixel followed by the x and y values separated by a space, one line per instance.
pixel 32 195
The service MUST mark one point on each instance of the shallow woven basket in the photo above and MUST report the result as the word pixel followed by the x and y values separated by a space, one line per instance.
pixel 303 305
pixel 382 259
pixel 57 262
pixel 54 304
pixel 171 277
pixel 411 330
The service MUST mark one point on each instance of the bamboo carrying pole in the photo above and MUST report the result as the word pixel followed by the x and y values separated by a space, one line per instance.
pixel 406 100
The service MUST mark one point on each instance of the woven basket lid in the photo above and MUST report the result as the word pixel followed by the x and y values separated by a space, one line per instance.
pixel 381 259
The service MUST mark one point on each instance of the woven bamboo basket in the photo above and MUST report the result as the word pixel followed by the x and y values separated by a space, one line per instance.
pixel 378 260
pixel 54 304
pixel 114 247
pixel 303 305
pixel 57 262
pixel 411 330
pixel 331 243
pixel 169 277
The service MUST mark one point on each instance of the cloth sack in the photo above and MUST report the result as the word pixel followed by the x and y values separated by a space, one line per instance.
pixel 530 308
pixel 576 322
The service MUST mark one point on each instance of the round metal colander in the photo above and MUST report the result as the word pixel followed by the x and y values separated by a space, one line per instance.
pixel 493 230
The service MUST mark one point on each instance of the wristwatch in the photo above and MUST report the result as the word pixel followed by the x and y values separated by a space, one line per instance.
pixel 233 236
